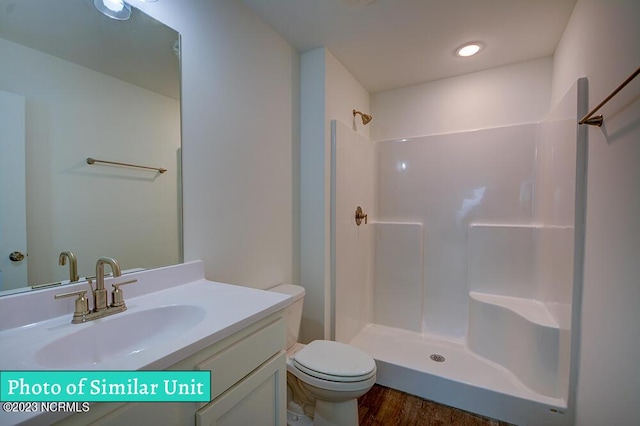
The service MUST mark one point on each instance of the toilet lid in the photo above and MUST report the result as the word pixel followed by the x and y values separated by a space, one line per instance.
pixel 334 361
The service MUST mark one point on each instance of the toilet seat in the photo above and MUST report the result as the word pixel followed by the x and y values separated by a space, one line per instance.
pixel 330 378
pixel 332 385
pixel 334 361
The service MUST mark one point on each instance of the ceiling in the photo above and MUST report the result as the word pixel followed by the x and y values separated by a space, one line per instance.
pixel 387 44
pixel 139 51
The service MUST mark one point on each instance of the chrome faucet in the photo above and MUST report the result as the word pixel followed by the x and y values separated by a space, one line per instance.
pixel 100 307
pixel 73 264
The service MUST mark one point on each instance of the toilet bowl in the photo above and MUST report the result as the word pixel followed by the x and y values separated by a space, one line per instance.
pixel 325 378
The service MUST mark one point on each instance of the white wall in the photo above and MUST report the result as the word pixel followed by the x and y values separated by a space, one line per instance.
pixel 355 185
pixel 343 95
pixel 513 94
pixel 602 42
pixel 240 133
pixel 77 207
pixel 329 92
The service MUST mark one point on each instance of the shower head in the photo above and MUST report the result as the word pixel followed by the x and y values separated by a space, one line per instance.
pixel 366 118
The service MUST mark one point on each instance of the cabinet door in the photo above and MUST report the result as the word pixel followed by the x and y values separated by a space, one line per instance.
pixel 259 399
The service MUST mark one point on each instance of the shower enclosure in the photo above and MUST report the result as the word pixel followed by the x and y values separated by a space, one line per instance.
pixel 462 285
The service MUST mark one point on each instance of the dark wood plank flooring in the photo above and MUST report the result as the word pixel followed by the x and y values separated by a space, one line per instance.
pixel 383 406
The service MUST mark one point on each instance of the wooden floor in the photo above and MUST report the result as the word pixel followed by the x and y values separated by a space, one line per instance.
pixel 383 406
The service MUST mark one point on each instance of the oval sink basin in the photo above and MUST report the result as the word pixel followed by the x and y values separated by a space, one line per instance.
pixel 118 336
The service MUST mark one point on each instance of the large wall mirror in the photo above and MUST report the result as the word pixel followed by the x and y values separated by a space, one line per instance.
pixel 76 84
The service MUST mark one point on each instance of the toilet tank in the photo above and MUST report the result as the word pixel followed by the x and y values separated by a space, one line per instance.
pixel 293 312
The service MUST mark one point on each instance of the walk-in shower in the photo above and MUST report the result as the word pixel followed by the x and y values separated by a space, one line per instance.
pixel 462 283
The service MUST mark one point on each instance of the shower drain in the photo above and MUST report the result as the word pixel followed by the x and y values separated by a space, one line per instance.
pixel 436 357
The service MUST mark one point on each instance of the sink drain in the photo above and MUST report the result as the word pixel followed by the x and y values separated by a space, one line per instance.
pixel 436 357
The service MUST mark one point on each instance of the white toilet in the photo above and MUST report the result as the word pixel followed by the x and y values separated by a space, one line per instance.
pixel 324 378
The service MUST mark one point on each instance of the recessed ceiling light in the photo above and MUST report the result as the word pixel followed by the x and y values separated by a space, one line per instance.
pixel 469 49
pixel 116 9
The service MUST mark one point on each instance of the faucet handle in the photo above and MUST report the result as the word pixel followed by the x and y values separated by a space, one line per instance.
pixel 79 293
pixel 82 304
pixel 117 298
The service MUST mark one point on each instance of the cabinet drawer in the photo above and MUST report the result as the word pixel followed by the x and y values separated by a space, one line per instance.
pixel 238 360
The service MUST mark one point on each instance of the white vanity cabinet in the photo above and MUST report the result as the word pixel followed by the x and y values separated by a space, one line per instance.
pixel 248 385
pixel 258 398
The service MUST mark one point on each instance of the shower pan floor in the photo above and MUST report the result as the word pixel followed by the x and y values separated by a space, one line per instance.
pixel 463 379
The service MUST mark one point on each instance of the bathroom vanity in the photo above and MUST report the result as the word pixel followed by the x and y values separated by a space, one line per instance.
pixel 176 320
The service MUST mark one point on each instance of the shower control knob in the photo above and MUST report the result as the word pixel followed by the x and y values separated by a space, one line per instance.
pixel 360 215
